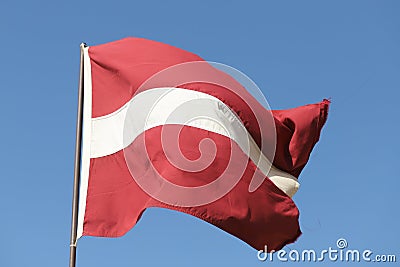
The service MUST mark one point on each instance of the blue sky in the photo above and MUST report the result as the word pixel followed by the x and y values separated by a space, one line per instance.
pixel 297 52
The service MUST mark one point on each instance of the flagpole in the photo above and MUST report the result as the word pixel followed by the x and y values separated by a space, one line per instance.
pixel 77 165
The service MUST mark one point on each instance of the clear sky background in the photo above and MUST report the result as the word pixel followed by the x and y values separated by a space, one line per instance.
pixel 298 52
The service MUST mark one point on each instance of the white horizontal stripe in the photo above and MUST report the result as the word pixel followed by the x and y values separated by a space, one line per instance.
pixel 161 106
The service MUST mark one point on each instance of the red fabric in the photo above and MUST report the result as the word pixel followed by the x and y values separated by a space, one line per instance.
pixel 298 130
pixel 115 201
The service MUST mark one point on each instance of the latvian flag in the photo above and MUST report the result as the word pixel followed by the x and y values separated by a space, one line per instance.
pixel 164 128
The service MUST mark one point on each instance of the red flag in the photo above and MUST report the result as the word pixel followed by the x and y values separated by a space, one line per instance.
pixel 164 128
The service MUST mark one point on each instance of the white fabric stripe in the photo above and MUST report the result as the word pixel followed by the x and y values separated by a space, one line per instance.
pixel 161 106
pixel 86 137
